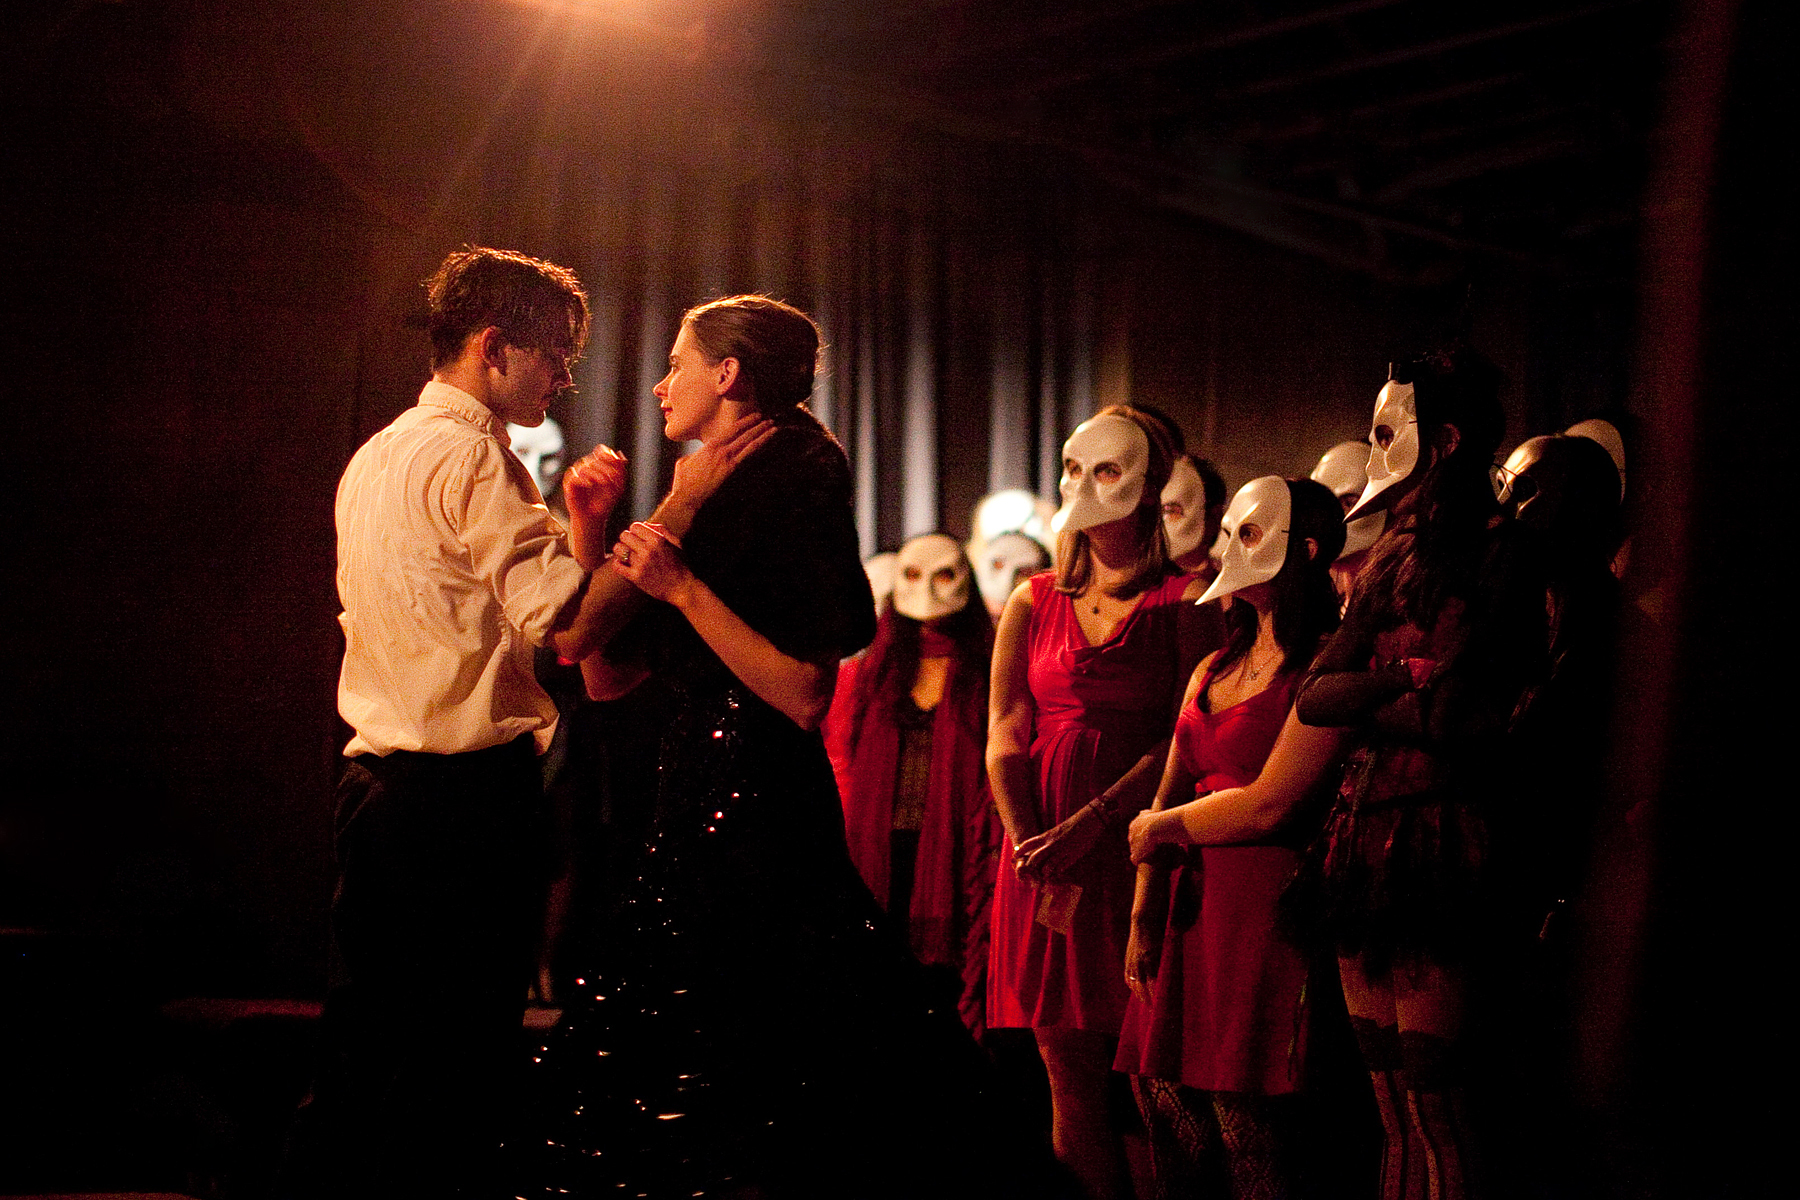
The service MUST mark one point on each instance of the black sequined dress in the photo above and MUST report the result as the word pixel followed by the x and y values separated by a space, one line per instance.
pixel 754 1020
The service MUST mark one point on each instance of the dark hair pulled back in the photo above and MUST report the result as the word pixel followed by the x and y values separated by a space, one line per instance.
pixel 1306 604
pixel 775 344
pixel 1434 544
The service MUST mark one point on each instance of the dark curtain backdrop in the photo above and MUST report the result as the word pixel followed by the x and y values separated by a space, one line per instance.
pixel 216 221
pixel 219 220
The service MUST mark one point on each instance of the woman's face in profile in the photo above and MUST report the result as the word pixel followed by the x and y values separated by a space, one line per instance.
pixel 690 392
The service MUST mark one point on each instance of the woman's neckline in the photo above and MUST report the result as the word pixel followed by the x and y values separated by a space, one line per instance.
pixel 1119 626
pixel 1274 679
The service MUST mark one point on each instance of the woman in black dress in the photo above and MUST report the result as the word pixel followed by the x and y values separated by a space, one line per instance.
pixel 1413 878
pixel 756 1027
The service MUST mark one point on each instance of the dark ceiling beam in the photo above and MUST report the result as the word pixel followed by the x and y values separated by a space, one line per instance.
pixel 1565 120
pixel 1406 54
pixel 1170 178
pixel 1467 139
pixel 1205 192
pixel 1466 167
pixel 1266 225
pixel 1047 26
pixel 1380 108
pixel 1138 59
pixel 1455 91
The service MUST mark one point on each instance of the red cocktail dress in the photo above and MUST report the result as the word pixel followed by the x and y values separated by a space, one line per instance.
pixel 1098 709
pixel 1230 993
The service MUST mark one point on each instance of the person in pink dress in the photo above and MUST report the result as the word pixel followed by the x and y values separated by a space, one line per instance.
pixel 1089 663
pixel 1215 1035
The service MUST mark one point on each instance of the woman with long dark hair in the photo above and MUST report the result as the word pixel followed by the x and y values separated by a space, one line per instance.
pixel 1089 663
pixel 1215 1037
pixel 752 1023
pixel 907 733
pixel 1443 636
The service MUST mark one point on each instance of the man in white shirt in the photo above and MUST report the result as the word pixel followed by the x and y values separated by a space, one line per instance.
pixel 450 571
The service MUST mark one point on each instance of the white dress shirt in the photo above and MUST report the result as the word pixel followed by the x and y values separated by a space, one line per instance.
pixel 449 570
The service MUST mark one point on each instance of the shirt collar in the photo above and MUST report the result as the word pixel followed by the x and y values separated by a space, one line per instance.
pixel 459 403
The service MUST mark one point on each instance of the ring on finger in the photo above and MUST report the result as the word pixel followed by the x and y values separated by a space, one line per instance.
pixel 625 558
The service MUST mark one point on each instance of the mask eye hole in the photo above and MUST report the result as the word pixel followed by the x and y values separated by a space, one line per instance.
pixel 1107 472
pixel 1173 508
pixel 912 574
pixel 1071 468
pixel 1348 500
pixel 943 575
pixel 1523 488
pixel 1250 534
pixel 1384 436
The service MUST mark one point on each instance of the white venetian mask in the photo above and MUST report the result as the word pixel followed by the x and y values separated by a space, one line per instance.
pixel 1393 444
pixel 1184 509
pixel 540 448
pixel 1256 525
pixel 1003 563
pixel 1345 471
pixel 1104 464
pixel 931 578
pixel 1011 510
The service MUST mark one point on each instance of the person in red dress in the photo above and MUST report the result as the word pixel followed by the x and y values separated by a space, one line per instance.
pixel 1411 879
pixel 906 734
pixel 1215 1035
pixel 1089 663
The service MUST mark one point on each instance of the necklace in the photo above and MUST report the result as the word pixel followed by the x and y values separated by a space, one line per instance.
pixel 1256 670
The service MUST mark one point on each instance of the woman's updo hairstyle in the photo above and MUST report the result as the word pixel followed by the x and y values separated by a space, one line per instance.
pixel 1458 386
pixel 775 344
pixel 1317 514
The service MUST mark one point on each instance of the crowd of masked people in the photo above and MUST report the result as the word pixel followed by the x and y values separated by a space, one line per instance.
pixel 1145 845
pixel 1240 829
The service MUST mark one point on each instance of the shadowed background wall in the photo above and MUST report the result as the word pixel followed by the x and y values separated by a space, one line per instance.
pixel 218 220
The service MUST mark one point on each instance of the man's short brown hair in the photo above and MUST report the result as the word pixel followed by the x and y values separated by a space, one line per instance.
pixel 536 305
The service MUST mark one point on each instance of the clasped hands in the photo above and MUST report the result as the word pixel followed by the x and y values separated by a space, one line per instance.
pixel 650 557
pixel 645 553
pixel 1048 857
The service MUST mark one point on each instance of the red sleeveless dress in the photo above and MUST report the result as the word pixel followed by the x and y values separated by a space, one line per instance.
pixel 1097 709
pixel 1230 994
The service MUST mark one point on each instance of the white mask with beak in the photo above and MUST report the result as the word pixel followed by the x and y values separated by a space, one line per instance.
pixel 931 578
pixel 1393 445
pixel 1104 466
pixel 1344 470
pixel 1257 526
